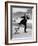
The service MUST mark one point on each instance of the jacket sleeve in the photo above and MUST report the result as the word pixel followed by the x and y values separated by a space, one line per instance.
pixel 28 18
pixel 22 17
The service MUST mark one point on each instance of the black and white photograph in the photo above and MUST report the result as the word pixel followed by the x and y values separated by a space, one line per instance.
pixel 21 22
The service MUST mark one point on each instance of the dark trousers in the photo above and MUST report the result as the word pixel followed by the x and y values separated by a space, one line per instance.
pixel 25 29
pixel 24 25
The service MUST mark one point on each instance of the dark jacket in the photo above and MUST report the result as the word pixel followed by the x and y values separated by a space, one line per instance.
pixel 24 20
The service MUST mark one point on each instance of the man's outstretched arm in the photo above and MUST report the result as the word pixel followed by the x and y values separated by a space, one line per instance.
pixel 22 16
pixel 28 18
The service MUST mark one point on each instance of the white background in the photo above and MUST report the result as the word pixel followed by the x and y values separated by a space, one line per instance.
pixel 2 24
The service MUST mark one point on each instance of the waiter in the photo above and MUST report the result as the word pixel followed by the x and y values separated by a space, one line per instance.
pixel 24 21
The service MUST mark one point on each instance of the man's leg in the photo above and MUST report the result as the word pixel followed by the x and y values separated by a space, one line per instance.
pixel 25 29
